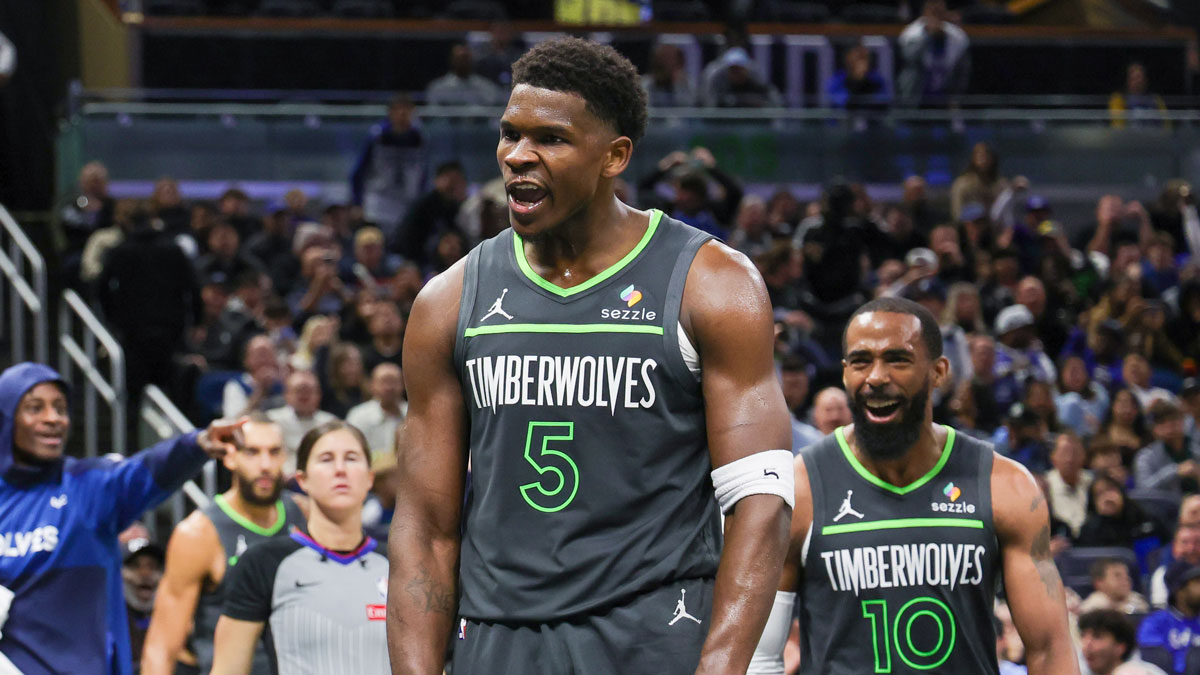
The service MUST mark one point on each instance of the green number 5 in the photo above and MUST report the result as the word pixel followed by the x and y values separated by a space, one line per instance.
pixel 563 478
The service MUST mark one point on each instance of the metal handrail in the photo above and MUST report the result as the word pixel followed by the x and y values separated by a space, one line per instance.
pixel 153 399
pixel 22 252
pixel 112 390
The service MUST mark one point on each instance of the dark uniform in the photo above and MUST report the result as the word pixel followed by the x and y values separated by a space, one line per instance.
pixel 325 611
pixel 899 580
pixel 591 536
pixel 236 534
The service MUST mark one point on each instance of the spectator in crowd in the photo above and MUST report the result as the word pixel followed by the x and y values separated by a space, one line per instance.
pixel 386 328
pixel 1107 643
pixel 691 201
pixel 1113 589
pixel 1039 398
pixel 434 213
pixel 1113 518
pixel 234 208
pixel 495 59
pixel 936 56
pixel 858 84
pixel 794 377
pixel 1003 647
pixel 1023 438
pixel 141 569
pixel 167 205
pixel 242 317
pixel 831 409
pixel 1172 462
pixel 462 85
pixel 1081 402
pixel 72 585
pixel 1050 322
pixel 1135 104
pixel 300 413
pixel 1168 636
pixel 915 202
pixel 214 295
pixel 340 369
pixel 371 265
pixel 1136 374
pixel 998 287
pixel 389 175
pixel 382 415
pixel 1147 337
pixel 1125 425
pixel 89 209
pixel 319 290
pixel 1174 213
pixel 149 296
pixel 1159 272
pixel 964 308
pixel 225 254
pixel 103 241
pixel 667 84
pixel 953 264
pixel 991 395
pixel 1105 458
pixel 1117 223
pixel 736 83
pixel 273 243
pixel 260 385
pixel 1189 395
pixel 900 237
pixel 1185 547
pixel 1018 351
pixel 979 183
pixel 1184 328
pixel 751 235
pixel 1068 481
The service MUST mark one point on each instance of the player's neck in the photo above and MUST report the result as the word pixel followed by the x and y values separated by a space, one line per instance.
pixel 914 463
pixel 335 531
pixel 263 515
pixel 586 244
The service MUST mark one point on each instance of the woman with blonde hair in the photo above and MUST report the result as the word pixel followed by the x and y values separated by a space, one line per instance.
pixel 964 308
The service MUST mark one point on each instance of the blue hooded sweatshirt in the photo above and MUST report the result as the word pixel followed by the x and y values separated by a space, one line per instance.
pixel 58 542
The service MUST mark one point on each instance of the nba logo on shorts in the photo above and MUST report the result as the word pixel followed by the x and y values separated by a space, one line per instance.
pixel 462 629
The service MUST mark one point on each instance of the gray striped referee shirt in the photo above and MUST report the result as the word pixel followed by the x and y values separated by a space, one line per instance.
pixel 324 610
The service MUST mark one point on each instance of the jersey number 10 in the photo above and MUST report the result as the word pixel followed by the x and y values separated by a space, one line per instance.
pixel 900 633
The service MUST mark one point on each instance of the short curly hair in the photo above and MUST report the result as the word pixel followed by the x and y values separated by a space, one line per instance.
pixel 605 79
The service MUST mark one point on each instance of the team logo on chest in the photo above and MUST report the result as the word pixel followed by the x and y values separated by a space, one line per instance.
pixel 497 308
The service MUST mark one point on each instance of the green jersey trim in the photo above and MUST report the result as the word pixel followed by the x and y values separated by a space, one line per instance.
pixel 902 523
pixel 877 481
pixel 519 250
pixel 280 518
pixel 562 328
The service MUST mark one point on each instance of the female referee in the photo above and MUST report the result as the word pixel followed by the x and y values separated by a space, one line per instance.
pixel 318 598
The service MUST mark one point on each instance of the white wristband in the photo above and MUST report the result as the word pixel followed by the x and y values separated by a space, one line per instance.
pixel 768 472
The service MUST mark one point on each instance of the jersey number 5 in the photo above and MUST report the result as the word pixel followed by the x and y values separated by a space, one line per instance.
pixel 938 620
pixel 559 477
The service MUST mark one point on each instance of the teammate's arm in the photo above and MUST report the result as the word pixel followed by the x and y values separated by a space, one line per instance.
pixel 431 468
pixel 234 646
pixel 1034 589
pixel 189 555
pixel 729 313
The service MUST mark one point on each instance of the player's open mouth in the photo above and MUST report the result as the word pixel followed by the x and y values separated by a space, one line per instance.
pixel 53 440
pixel 883 411
pixel 525 197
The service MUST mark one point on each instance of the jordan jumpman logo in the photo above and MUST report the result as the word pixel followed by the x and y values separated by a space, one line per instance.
pixel 681 611
pixel 846 509
pixel 497 309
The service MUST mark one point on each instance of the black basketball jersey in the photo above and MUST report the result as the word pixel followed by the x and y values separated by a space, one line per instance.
pixel 236 534
pixel 590 466
pixel 899 579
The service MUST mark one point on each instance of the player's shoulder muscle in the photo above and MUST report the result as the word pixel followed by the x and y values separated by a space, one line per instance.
pixel 192 545
pixel 434 314
pixel 1018 504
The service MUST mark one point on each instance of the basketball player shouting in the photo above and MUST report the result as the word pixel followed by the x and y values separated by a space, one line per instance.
pixel 902 527
pixel 596 362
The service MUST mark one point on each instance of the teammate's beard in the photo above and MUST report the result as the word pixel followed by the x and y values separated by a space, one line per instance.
pixel 246 491
pixel 892 440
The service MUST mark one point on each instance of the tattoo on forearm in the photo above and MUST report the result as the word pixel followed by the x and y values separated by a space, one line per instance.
pixel 1039 550
pixel 1037 501
pixel 434 596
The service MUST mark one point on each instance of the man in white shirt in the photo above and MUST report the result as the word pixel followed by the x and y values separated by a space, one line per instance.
pixel 302 394
pixel 379 417
pixel 1068 481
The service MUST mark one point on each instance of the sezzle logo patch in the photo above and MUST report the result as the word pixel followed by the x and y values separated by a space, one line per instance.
pixel 376 612
pixel 952 493
pixel 631 296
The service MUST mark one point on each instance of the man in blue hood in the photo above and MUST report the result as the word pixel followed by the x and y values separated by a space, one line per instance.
pixel 61 599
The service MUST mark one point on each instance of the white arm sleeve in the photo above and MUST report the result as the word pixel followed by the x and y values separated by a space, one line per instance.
pixel 768 655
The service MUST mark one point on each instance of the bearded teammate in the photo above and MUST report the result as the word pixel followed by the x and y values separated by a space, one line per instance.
pixel 902 528
pixel 206 544
pixel 596 362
